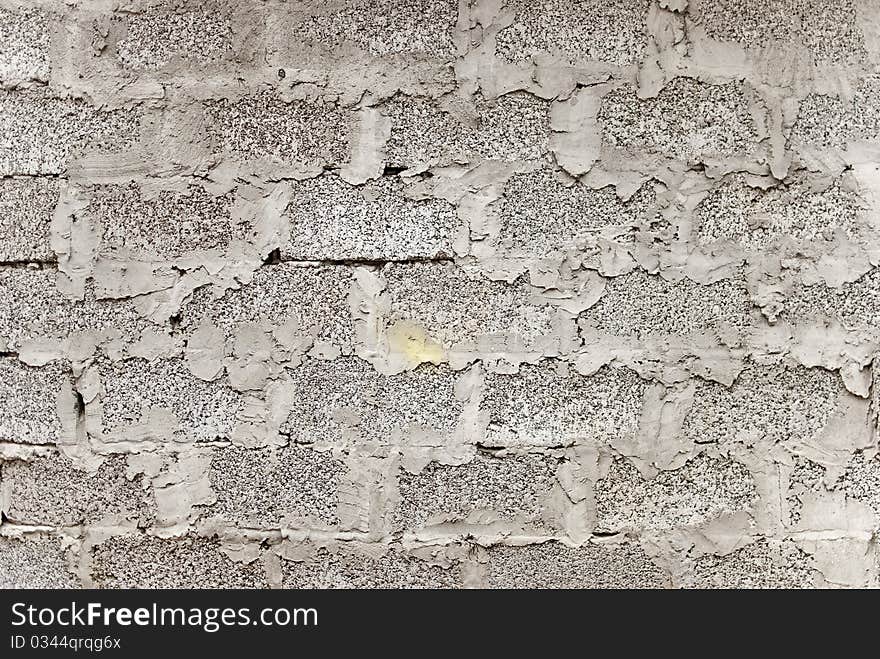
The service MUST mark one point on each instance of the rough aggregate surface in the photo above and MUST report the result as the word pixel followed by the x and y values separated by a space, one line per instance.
pixel 439 294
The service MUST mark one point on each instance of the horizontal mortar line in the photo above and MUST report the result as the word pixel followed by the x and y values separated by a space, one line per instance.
pixel 28 264
pixel 11 452
pixel 10 521
pixel 352 262
pixel 255 535
pixel 366 261
pixel 13 442
pixel 27 177
pixel 15 527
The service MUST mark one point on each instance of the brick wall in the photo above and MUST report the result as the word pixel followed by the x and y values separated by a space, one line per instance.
pixel 439 293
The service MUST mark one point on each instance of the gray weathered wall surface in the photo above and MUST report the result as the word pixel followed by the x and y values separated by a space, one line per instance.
pixel 439 293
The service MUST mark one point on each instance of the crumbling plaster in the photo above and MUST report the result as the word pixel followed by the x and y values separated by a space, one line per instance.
pixel 439 293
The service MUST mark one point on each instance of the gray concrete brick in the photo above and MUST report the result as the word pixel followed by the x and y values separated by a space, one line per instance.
pixel 35 561
pixel 861 481
pixel 774 403
pixel 365 567
pixel 541 214
pixel 26 209
pixel 440 299
pixel 133 389
pixel 330 219
pixel 645 305
pixel 825 121
pixel 613 32
pixel 32 308
pixel 512 489
pixel 423 134
pixel 52 491
pixel 46 133
pixel 761 564
pixel 266 488
pixel 378 27
pixel 25 39
pixel 755 220
pixel 315 297
pixel 347 398
pixel 545 405
pixel 163 225
pixel 702 490
pixel 555 565
pixel 263 126
pixel 856 304
pixel 144 561
pixel 155 38
pixel 27 402
pixel 830 36
pixel 700 121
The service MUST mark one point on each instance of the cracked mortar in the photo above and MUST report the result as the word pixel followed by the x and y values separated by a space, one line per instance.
pixel 428 293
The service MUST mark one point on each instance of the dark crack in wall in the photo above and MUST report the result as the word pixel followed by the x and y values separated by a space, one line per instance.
pixel 439 293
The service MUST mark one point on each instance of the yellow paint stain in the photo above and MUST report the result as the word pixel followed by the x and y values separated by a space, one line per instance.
pixel 414 343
